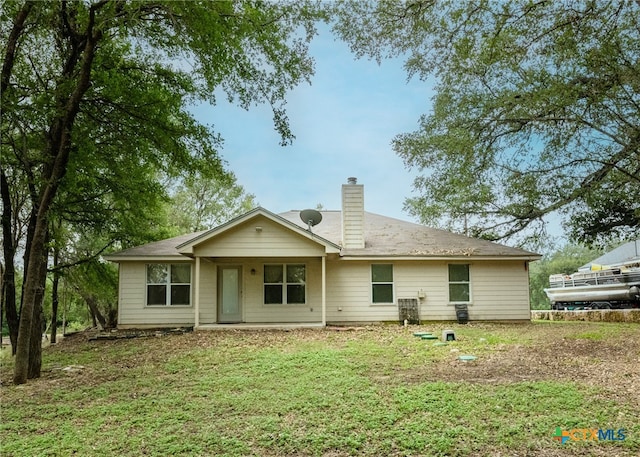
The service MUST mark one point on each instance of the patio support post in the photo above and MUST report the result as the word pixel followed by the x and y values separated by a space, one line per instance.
pixel 196 299
pixel 324 290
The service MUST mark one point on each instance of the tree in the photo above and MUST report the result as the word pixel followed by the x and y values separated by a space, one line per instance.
pixel 10 241
pixel 565 260
pixel 96 91
pixel 201 204
pixel 536 112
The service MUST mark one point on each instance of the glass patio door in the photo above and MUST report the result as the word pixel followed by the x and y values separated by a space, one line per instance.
pixel 229 295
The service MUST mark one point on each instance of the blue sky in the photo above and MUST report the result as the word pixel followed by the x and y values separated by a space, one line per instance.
pixel 343 122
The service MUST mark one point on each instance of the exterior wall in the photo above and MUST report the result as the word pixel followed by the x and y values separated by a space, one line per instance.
pixel 499 291
pixel 208 292
pixel 254 309
pixel 132 310
pixel 349 294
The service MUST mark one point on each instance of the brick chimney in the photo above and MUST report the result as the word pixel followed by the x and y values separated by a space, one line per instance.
pixel 352 214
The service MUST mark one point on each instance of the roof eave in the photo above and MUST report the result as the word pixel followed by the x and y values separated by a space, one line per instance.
pixel 146 258
pixel 349 256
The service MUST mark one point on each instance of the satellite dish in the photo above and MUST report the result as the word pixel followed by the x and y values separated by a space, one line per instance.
pixel 311 217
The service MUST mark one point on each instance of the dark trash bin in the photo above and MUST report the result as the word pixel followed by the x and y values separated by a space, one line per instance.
pixel 462 313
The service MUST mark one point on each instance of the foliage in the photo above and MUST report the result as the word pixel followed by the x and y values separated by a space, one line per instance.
pixel 95 97
pixel 375 391
pixel 73 310
pixel 201 204
pixel 566 260
pixel 536 111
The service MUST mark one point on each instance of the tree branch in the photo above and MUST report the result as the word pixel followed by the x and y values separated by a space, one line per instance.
pixel 12 45
pixel 84 260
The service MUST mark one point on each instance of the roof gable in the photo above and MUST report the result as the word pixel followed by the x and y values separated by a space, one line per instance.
pixel 256 233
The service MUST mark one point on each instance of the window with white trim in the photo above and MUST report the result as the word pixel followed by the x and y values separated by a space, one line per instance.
pixel 382 283
pixel 285 284
pixel 459 284
pixel 168 284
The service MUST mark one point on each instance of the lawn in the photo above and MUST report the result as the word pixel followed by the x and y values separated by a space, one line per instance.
pixel 375 391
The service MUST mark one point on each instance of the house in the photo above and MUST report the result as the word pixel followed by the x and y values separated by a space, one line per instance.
pixel 352 266
pixel 627 254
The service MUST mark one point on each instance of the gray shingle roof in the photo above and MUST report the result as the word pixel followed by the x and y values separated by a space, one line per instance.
pixel 627 253
pixel 384 237
pixel 162 248
pixel 387 236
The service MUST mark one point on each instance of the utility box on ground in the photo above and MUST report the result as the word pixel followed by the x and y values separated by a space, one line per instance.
pixel 448 335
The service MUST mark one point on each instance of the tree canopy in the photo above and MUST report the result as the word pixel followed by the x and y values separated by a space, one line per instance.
pixel 536 112
pixel 200 204
pixel 95 98
pixel 566 261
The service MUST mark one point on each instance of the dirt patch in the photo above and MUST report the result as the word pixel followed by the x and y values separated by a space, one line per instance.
pixel 611 366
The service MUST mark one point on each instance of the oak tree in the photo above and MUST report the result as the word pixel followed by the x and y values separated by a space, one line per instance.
pixel 94 99
pixel 536 112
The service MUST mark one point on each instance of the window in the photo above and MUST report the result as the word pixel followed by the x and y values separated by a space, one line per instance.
pixel 284 284
pixel 168 284
pixel 459 286
pixel 382 283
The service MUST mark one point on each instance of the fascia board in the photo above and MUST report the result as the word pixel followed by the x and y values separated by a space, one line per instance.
pixel 438 258
pixel 130 258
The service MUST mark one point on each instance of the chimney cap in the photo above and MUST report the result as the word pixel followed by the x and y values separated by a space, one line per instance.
pixel 352 180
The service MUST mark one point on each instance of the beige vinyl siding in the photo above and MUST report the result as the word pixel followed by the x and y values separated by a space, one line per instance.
pixel 208 291
pixel 350 289
pixel 429 278
pixel 254 309
pixel 349 294
pixel 269 241
pixel 132 309
pixel 353 216
pixel 499 290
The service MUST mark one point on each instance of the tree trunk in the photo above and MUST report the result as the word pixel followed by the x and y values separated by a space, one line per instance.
pixel 94 321
pixel 33 282
pixel 8 278
pixel 58 151
pixel 8 297
pixel 55 301
pixel 97 316
pixel 55 297
pixel 37 325
pixel 1 300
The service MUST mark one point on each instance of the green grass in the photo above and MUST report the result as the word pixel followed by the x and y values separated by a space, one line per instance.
pixel 310 393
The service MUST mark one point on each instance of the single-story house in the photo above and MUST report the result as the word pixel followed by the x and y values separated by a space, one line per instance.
pixel 352 266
